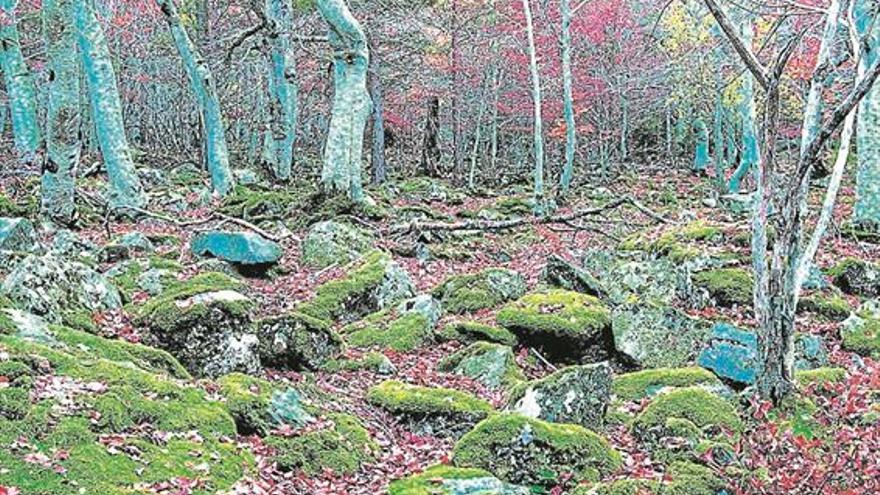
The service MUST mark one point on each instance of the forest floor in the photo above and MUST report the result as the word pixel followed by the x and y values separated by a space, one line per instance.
pixel 831 448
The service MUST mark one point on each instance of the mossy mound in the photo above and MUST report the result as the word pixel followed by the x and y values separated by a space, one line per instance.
pixel 857 277
pixel 677 244
pixel 389 330
pixel 433 410
pixel 682 478
pixel 502 209
pixel 449 480
pixel 493 365
pixel 819 376
pixel 258 405
pixel 486 289
pixel 861 333
pixel 296 342
pixel 727 286
pixel 528 451
pixel 654 336
pixel 370 361
pixel 472 331
pixel 830 306
pixel 647 383
pixel 565 323
pixel 259 205
pixel 151 275
pixel 334 243
pixel 202 283
pixel 342 448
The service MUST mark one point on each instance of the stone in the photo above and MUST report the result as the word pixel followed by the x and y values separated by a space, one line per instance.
pixel 241 248
pixel 565 275
pixel 30 327
pixel 657 336
pixel 49 285
pixel 67 244
pixel 493 365
pixel 18 234
pixel 137 242
pixel 334 243
pixel 408 327
pixel 861 331
pixel 727 287
pixel 296 342
pixel 858 277
pixel 486 289
pixel 815 279
pixel 575 394
pixel 447 480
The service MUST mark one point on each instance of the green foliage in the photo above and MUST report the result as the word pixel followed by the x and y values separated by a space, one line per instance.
pixel 863 337
pixel 640 384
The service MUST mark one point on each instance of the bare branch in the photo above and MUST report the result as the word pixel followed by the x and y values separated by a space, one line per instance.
pixel 745 53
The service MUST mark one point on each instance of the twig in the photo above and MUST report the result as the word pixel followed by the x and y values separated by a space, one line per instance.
pixel 541 358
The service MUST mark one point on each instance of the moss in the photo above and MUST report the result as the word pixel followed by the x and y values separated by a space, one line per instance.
pixel 832 307
pixel 472 331
pixel 247 399
pixel 638 385
pixel 430 482
pixel 371 361
pixel 467 293
pixel 688 478
pixel 819 376
pixel 702 408
pixel 676 244
pixel 528 451
pixel 332 297
pixel 402 333
pixel 14 403
pixel 493 365
pixel 728 286
pixel 342 448
pixel 863 337
pixel 258 204
pixel 413 401
pixel 202 283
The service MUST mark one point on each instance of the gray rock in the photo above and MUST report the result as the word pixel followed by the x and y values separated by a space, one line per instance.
pixel 423 304
pixel 493 365
pixel 657 336
pixel 334 243
pixel 565 275
pixel 18 234
pixel 858 277
pixel 575 394
pixel 296 342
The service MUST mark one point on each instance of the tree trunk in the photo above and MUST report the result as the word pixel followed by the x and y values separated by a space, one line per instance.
pixel 202 84
pixel 867 207
pixel 283 86
pixel 351 101
pixel 430 146
pixel 538 122
pixel 63 145
pixel 125 187
pixel 701 154
pixel 377 94
pixel 567 100
pixel 749 121
pixel 19 86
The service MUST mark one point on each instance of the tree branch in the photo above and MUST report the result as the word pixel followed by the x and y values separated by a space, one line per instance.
pixel 745 53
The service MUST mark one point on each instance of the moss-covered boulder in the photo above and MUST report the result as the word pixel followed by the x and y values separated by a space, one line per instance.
pixel 627 281
pixel 467 331
pixel 17 234
pixel 648 383
pixel 682 478
pixel 49 286
pixel 334 243
pixel 404 328
pixel 342 447
pixel 829 306
pixel 565 275
pixel 857 277
pixel 861 331
pixel 376 283
pixel 652 336
pixel 205 323
pixel 448 480
pixel 527 451
pixel 565 324
pixel 486 289
pixel 436 411
pixel 575 394
pixel 258 406
pixel 493 365
pixel 296 342
pixel 819 376
pixel 726 286
pixel 151 275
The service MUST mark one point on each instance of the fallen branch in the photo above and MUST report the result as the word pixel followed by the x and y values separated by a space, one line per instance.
pixel 180 223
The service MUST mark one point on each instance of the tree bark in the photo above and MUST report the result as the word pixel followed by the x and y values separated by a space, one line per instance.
pixel 377 94
pixel 567 100
pixel 20 87
pixel 430 146
pixel 283 87
pixel 538 121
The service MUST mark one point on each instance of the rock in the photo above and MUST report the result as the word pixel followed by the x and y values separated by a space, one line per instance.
pixel 575 394
pixel 137 242
pixel 857 277
pixel 257 406
pixel 296 342
pixel 567 325
pixel 732 354
pixel 564 275
pixel 659 282
pixel 648 383
pixel 241 248
pixel 472 331
pixel 67 244
pixel 486 289
pixel 427 410
pixel 18 234
pixel 493 365
pixel 408 327
pixel 27 326
pixel 447 480
pixel 49 285
pixel 861 331
pixel 815 279
pixel 653 337
pixel 531 452
pixel 334 243
pixel 726 286
pixel 246 177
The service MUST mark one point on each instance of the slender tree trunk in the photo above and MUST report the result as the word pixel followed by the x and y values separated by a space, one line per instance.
pixel 567 100
pixel 718 137
pixel 457 125
pixel 351 101
pixel 63 145
pixel 125 187
pixel 284 89
pixel 867 207
pixel 377 94
pixel 493 146
pixel 701 154
pixel 749 117
pixel 430 146
pixel 19 86
pixel 202 84
pixel 478 131
pixel 538 122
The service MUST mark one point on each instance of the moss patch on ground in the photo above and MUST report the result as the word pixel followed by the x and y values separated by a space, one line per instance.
pixel 641 384
pixel 342 448
pixel 727 286
pixel 472 331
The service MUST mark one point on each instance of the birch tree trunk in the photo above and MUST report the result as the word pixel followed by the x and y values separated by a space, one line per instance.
pixel 285 91
pixel 20 88
pixel 125 187
pixel 701 154
pixel 202 84
pixel 377 95
pixel 351 101
pixel 748 114
pixel 538 124
pixel 867 207
pixel 567 100
pixel 63 145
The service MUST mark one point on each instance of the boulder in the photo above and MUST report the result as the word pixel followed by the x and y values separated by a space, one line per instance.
pixel 660 282
pixel 861 331
pixel 49 285
pixel 726 286
pixel 334 243
pixel 17 234
pixel 258 406
pixel 565 275
pixel 340 445
pixel 467 331
pixel 858 277
pixel 567 325
pixel 648 383
pixel 575 394
pixel 448 480
pixel 493 365
pixel 240 248
pixel 486 289
pixel 657 336
pixel 407 327
pixel 296 342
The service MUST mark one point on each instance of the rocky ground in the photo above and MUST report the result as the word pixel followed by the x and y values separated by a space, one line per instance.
pixel 275 343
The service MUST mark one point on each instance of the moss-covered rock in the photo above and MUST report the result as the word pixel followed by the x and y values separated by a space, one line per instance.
pixel 682 478
pixel 688 413
pixel 376 283
pixel 257 406
pixel 726 286
pixel 861 331
pixel 493 365
pixel 472 331
pixel 370 361
pixel 575 394
pixel 857 277
pixel 819 376
pixel 438 411
pixel 565 275
pixel 652 336
pixel 18 234
pixel 405 328
pixel 486 289
pixel 647 383
pixel 449 480
pixel 296 342
pixel 334 243
pixel 829 306
pixel 527 451
pixel 152 275
pixel 677 244
pixel 342 448
pixel 566 324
